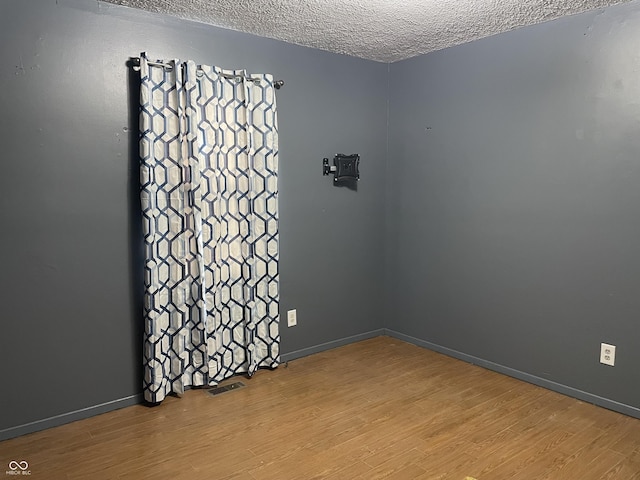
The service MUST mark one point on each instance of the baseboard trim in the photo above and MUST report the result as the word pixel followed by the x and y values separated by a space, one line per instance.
pixel 88 412
pixel 304 352
pixel 69 417
pixel 526 377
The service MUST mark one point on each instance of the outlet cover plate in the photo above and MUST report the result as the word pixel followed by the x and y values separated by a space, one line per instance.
pixel 292 318
pixel 608 354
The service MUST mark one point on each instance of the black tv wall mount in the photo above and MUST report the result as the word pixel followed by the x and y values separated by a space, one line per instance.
pixel 345 168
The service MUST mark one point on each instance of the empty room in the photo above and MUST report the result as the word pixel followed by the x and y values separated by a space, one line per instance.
pixel 358 239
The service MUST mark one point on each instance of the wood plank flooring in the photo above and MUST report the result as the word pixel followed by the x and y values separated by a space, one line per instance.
pixel 376 409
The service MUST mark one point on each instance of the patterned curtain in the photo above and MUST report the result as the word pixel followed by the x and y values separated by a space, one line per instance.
pixel 209 194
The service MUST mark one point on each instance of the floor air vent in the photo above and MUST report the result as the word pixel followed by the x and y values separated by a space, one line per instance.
pixel 226 388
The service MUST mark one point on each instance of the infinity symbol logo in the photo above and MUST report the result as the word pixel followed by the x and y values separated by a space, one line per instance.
pixel 13 465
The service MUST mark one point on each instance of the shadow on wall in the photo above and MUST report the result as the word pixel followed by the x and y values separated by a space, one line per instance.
pixel 136 244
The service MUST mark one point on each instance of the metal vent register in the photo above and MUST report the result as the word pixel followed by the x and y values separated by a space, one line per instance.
pixel 226 388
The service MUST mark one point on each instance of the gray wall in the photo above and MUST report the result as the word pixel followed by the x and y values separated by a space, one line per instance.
pixel 71 316
pixel 513 213
pixel 506 230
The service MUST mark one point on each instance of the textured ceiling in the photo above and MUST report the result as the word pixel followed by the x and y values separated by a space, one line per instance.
pixel 382 30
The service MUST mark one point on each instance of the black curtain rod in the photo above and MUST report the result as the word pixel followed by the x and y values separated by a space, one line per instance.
pixel 136 64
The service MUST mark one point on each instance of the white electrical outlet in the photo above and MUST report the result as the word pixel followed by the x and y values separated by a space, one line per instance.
pixel 292 318
pixel 607 354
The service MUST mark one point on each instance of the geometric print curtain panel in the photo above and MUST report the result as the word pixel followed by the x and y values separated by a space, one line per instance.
pixel 209 196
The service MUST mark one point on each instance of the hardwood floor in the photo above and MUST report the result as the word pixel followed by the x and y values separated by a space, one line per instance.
pixel 376 409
